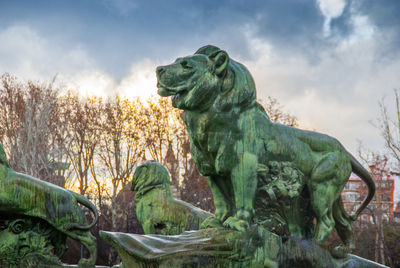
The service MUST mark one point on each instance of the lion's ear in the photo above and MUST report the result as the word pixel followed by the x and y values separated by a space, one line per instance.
pixel 221 60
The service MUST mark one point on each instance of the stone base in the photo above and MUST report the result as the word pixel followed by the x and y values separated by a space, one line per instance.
pixel 224 248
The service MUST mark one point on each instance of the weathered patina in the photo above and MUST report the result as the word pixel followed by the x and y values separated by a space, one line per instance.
pixel 232 139
pixel 270 182
pixel 225 248
pixel 156 208
pixel 45 213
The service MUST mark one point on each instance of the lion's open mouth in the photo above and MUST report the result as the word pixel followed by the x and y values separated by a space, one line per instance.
pixel 165 91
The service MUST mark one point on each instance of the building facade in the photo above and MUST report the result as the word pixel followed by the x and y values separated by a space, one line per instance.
pixel 383 202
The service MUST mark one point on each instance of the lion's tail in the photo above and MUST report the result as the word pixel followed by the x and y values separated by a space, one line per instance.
pixel 360 171
pixel 84 201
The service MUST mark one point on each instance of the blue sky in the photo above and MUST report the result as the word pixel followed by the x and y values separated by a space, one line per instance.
pixel 328 62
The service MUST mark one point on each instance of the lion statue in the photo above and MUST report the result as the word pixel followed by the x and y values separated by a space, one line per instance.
pixel 156 209
pixel 231 136
pixel 24 195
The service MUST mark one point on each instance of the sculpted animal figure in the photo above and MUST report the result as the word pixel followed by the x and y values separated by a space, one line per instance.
pixel 231 137
pixel 24 195
pixel 156 209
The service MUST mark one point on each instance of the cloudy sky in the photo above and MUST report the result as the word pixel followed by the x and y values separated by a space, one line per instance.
pixel 328 62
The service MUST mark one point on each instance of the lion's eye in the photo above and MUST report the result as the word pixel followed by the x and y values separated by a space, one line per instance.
pixel 185 64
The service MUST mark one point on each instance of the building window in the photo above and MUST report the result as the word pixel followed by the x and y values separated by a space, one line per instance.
pixel 354 185
pixel 385 197
pixel 351 196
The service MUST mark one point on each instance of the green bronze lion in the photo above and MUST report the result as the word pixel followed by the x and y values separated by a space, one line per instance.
pixel 156 208
pixel 231 136
pixel 24 195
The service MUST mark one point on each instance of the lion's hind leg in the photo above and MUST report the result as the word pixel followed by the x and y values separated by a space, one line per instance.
pixel 344 228
pixel 89 242
pixel 322 207
pixel 327 181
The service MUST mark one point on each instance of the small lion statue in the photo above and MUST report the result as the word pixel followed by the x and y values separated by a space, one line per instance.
pixel 231 135
pixel 156 209
pixel 24 195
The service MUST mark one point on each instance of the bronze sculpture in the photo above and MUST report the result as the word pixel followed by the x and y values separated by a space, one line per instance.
pixel 232 138
pixel 156 208
pixel 26 198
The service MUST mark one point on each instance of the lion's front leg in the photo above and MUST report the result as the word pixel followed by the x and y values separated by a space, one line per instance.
pixel 220 189
pixel 244 182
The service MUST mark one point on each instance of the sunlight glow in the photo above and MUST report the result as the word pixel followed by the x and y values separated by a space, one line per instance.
pixel 141 81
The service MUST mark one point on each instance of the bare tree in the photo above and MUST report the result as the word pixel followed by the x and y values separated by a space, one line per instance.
pixel 158 134
pixel 276 112
pixel 28 127
pixel 121 146
pixel 390 128
pixel 378 167
pixel 163 131
pixel 83 128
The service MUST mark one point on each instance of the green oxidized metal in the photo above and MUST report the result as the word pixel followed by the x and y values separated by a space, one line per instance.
pixel 269 181
pixel 156 208
pixel 39 216
pixel 233 140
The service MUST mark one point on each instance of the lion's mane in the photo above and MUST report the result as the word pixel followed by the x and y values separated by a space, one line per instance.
pixel 243 91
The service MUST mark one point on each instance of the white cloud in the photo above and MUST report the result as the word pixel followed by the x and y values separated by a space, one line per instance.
pixel 90 82
pixel 27 54
pixel 363 29
pixel 30 56
pixel 338 95
pixel 141 80
pixel 330 9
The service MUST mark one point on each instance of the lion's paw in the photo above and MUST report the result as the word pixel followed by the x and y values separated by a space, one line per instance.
pixel 211 222
pixel 86 263
pixel 340 252
pixel 237 224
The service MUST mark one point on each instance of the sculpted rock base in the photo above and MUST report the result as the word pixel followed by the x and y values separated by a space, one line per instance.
pixel 224 248
pixel 28 242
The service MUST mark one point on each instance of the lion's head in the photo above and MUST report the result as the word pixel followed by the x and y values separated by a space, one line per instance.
pixel 207 78
pixel 150 174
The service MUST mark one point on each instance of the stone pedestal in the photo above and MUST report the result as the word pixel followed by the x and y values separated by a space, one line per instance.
pixel 224 248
